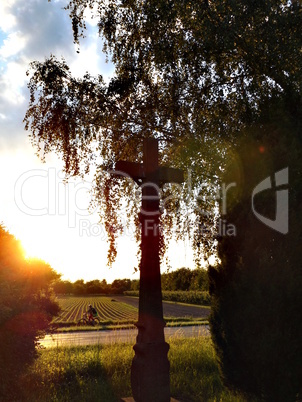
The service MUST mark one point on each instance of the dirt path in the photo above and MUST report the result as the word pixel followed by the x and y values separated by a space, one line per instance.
pixel 171 309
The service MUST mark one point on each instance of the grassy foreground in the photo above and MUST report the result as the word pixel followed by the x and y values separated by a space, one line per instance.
pixel 102 373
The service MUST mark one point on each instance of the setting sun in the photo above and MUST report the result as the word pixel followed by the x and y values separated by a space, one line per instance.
pixel 34 247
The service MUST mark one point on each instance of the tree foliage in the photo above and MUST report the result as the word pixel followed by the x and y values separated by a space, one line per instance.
pixel 191 74
pixel 185 279
pixel 26 308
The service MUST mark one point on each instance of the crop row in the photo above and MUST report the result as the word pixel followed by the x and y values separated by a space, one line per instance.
pixel 73 308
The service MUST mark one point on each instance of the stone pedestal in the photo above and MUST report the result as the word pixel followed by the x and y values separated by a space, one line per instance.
pixel 150 380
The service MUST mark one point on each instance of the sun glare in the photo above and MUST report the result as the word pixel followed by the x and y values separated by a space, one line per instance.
pixel 38 242
pixel 33 247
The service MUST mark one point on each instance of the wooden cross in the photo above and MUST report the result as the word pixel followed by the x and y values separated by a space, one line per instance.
pixel 150 377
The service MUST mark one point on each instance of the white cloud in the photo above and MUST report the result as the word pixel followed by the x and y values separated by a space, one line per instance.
pixel 12 45
pixel 7 19
pixel 31 30
pixel 45 26
pixel 11 84
pixel 36 30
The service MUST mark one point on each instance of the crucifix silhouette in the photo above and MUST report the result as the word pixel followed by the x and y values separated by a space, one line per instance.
pixel 150 378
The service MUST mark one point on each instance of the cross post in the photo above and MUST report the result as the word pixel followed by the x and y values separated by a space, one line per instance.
pixel 150 370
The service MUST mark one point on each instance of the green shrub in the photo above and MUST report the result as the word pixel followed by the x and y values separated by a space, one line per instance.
pixel 189 297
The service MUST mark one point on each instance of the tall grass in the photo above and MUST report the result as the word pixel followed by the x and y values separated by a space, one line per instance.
pixel 102 373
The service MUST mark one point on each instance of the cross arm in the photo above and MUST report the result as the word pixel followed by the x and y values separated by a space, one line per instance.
pixel 162 175
pixel 170 175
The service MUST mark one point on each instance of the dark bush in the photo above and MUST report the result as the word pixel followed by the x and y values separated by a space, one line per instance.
pixel 256 319
pixel 27 307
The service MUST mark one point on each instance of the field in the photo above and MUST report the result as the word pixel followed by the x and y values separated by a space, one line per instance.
pixel 102 373
pixel 122 311
pixel 109 310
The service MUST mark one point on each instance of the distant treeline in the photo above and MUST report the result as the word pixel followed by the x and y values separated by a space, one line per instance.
pixel 183 279
pixel 80 287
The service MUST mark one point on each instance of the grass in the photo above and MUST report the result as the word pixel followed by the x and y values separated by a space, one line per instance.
pixel 89 328
pixel 102 373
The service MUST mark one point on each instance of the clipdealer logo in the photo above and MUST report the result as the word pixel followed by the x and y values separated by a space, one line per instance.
pixel 280 223
pixel 67 199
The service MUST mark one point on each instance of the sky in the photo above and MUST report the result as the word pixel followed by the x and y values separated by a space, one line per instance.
pixel 50 218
